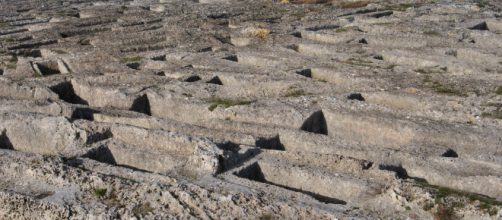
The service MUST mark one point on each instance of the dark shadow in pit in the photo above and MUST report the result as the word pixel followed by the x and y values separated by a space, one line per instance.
pixel 101 154
pixel 232 157
pixel 305 72
pixel 83 113
pixel 231 58
pixel 450 153
pixel 159 58
pixel 104 155
pixel 5 142
pixel 215 80
pixel 254 172
pixel 141 105
pixel 99 136
pixel 134 66
pixel 272 143
pixel 66 92
pixel 193 78
pixel 48 68
pixel 399 170
pixel 316 123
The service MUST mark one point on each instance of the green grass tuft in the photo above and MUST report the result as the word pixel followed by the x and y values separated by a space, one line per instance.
pixel 399 7
pixel 7 39
pixel 341 30
pixel 499 90
pixel 100 192
pixel 294 93
pixel 494 114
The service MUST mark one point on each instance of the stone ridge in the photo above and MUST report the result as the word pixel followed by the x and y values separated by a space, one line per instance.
pixel 250 109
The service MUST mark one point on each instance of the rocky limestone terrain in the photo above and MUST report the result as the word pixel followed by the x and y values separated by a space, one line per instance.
pixel 250 109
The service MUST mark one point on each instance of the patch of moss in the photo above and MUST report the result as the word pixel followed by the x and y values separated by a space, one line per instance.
pixel 225 103
pixel 13 59
pixel 294 93
pixel 399 7
pixel 494 114
pixel 11 66
pixel 131 59
pixel 99 192
pixel 442 89
pixel 7 39
pixel 439 88
pixel 440 193
pixel 342 29
pixel 499 90
pixel 299 15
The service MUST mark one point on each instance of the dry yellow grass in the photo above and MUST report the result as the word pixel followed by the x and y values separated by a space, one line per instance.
pixel 262 33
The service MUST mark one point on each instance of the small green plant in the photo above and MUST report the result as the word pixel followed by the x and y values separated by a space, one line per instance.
pixel 442 89
pixel 131 59
pixel 298 15
pixel 100 192
pixel 356 61
pixel 446 208
pixel 342 29
pixel 294 93
pixel 399 7
pixel 7 39
pixel 407 208
pixel 494 114
pixel 499 90
pixel 142 209
pixel 13 59
pixel 225 103
pixel 439 88
pixel 11 66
